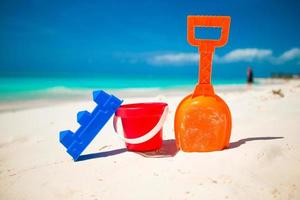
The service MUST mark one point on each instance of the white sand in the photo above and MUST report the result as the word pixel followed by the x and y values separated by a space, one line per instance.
pixel 34 165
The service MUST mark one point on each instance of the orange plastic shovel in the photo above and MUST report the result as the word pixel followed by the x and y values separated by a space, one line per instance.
pixel 202 119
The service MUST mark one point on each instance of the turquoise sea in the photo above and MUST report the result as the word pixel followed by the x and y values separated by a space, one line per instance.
pixel 18 88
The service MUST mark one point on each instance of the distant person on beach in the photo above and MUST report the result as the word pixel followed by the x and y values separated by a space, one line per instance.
pixel 249 75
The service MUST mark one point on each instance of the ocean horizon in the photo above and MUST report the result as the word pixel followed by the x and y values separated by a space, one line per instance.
pixel 12 88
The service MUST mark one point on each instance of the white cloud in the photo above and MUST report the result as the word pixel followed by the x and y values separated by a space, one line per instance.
pixel 289 55
pixel 174 59
pixel 237 55
pixel 247 55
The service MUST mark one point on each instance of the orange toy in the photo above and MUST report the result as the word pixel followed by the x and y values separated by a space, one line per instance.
pixel 202 119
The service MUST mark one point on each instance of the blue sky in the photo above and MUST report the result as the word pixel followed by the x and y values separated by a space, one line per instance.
pixel 143 38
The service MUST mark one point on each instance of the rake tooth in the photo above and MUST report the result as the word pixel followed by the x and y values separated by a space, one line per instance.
pixel 66 138
pixel 100 97
pixel 83 117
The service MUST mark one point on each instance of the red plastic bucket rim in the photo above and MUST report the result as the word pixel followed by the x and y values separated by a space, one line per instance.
pixel 141 109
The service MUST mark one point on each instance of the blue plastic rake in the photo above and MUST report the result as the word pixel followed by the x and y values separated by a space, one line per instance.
pixel 91 123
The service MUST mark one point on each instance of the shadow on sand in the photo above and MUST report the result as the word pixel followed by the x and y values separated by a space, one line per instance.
pixel 101 154
pixel 240 142
pixel 168 149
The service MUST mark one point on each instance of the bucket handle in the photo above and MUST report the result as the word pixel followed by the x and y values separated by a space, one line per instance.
pixel 145 137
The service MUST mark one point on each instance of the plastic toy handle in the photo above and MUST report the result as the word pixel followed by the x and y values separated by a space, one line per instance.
pixel 146 136
pixel 206 47
pixel 222 22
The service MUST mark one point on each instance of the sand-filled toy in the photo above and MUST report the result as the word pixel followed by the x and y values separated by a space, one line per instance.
pixel 202 119
pixel 142 125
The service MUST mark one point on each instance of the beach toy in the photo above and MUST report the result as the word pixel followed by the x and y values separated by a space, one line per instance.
pixel 142 125
pixel 202 119
pixel 91 123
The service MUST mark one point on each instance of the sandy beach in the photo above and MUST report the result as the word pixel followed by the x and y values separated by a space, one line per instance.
pixel 263 161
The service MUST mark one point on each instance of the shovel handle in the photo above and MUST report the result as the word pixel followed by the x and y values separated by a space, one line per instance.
pixel 206 47
pixel 222 22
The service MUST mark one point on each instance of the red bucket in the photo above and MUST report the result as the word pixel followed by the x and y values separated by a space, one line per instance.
pixel 142 125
